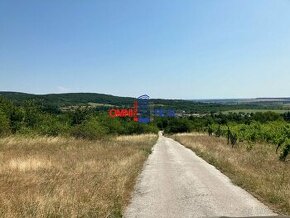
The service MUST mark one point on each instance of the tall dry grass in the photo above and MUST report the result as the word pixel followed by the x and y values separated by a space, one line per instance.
pixel 62 177
pixel 258 169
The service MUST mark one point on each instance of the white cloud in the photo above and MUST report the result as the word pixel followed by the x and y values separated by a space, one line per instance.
pixel 61 89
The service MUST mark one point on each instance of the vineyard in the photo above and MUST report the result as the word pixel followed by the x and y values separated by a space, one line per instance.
pixel 277 133
pixel 243 129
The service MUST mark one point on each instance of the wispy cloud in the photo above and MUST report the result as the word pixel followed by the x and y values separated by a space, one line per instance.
pixel 61 89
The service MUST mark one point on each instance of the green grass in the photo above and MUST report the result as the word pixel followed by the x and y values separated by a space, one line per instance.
pixel 256 110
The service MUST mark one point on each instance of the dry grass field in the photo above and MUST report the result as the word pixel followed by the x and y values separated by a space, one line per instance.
pixel 257 170
pixel 62 177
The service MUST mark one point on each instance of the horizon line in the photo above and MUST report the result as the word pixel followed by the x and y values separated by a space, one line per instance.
pixel 193 99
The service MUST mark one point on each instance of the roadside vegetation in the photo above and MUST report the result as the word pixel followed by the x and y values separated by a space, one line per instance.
pixel 253 149
pixel 247 129
pixel 66 177
pixel 256 169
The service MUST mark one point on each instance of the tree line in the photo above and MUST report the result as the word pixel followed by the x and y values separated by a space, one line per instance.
pixel 37 118
pixel 31 118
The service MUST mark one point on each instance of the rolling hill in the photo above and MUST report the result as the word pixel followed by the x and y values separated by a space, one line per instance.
pixel 105 101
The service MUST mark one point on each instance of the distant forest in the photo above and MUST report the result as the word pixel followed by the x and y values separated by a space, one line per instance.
pixel 56 102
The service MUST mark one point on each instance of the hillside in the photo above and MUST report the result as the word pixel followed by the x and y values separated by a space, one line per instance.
pixel 76 99
pixel 69 99
pixel 103 101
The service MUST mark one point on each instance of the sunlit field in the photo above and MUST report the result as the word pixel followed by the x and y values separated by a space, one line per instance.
pixel 64 177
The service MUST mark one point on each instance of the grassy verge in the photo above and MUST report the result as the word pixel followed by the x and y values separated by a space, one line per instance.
pixel 257 169
pixel 61 177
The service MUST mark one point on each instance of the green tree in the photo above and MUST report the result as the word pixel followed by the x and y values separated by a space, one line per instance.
pixel 4 124
pixel 90 129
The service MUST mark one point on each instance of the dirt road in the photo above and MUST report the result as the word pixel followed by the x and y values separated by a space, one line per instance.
pixel 177 183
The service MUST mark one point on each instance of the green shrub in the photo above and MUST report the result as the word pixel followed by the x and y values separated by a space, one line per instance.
pixel 218 132
pixel 52 126
pixel 178 126
pixel 151 128
pixel 114 126
pixel 32 114
pixel 17 115
pixel 209 130
pixel 285 151
pixel 4 124
pixel 90 129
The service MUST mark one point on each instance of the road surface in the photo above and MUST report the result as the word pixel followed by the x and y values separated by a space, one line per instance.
pixel 177 183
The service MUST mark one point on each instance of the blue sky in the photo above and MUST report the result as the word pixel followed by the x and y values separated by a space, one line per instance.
pixel 167 49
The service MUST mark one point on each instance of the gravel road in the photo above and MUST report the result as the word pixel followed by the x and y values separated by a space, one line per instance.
pixel 175 182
